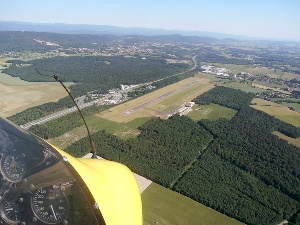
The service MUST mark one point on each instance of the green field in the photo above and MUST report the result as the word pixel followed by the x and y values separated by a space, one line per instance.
pixel 165 207
pixel 173 99
pixel 251 69
pixel 241 86
pixel 295 120
pixel 211 112
pixel 95 123
pixel 270 85
pixel 295 106
pixel 122 130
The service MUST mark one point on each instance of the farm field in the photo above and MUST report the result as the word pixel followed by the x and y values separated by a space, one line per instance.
pixel 160 101
pixel 279 111
pixel 18 95
pixel 211 112
pixel 165 207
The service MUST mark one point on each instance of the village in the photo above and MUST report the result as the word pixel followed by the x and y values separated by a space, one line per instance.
pixel 249 78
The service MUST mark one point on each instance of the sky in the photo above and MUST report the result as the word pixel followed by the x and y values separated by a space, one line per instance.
pixel 276 19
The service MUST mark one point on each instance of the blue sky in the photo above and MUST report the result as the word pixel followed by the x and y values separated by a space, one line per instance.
pixel 254 18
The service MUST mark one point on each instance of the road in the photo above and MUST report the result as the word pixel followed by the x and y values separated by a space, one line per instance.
pixel 58 114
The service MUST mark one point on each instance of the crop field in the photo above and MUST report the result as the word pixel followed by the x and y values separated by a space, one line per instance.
pixel 279 111
pixel 211 112
pixel 165 207
pixel 156 103
pixel 18 95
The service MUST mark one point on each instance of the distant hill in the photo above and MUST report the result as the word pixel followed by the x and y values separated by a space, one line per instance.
pixel 103 29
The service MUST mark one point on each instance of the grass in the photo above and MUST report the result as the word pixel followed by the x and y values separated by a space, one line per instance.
pixel 290 76
pixel 279 111
pixel 211 112
pixel 269 85
pixel 246 68
pixel 16 97
pixel 242 86
pixel 295 106
pixel 294 120
pixel 288 139
pixel 122 130
pixel 165 207
pixel 180 98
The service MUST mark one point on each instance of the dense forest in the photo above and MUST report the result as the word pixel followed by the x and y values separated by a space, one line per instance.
pixel 247 142
pixel 161 152
pixel 221 185
pixel 224 96
pixel 95 72
pixel 17 41
pixel 236 166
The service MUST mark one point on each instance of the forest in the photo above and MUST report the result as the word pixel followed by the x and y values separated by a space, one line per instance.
pixel 224 96
pixel 92 73
pixel 161 152
pixel 236 166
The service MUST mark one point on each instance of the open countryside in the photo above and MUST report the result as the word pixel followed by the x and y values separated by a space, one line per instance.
pixel 279 111
pixel 189 131
pixel 162 206
pixel 18 95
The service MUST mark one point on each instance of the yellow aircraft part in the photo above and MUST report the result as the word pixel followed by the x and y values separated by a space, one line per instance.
pixel 113 187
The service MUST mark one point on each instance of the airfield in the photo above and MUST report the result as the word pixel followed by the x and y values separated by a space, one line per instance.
pixel 160 103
